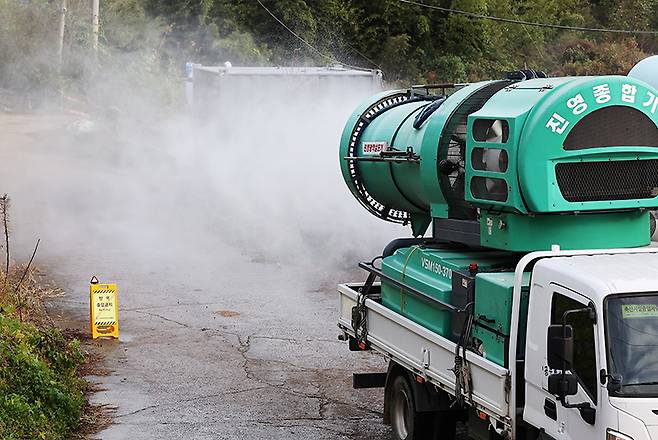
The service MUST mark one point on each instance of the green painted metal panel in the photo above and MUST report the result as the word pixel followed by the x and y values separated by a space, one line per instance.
pixel 347 133
pixel 493 299
pixel 493 311
pixel 492 346
pixel 521 233
pixel 407 265
pixel 551 120
pixel 512 107
pixel 541 113
pixel 393 184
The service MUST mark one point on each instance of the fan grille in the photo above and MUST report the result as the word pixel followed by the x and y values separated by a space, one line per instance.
pixel 609 180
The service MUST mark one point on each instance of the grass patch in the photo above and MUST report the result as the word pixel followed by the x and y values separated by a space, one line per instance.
pixel 41 393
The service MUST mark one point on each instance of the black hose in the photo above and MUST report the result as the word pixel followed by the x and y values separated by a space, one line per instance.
pixel 428 111
pixel 400 243
pixel 397 104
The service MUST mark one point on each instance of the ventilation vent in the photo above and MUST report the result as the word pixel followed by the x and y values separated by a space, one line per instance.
pixel 609 180
pixel 489 188
pixel 613 126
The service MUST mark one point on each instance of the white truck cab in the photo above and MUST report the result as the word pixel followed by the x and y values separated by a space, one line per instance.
pixel 615 349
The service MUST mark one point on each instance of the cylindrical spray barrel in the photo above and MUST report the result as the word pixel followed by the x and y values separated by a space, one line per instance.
pixel 512 156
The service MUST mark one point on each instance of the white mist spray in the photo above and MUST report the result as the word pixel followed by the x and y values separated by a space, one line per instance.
pixel 257 175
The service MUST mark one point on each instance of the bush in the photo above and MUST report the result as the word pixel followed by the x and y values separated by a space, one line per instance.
pixel 578 56
pixel 40 392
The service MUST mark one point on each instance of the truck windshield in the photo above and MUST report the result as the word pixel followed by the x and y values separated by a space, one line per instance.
pixel 632 333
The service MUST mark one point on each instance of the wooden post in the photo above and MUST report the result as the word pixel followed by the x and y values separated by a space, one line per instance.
pixel 62 27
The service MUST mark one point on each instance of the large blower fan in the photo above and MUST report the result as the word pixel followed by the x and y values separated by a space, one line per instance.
pixel 452 152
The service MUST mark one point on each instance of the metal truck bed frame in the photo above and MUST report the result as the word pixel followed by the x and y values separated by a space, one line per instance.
pixel 426 353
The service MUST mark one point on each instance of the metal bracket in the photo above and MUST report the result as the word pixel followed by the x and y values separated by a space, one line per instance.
pixel 359 312
pixel 426 358
pixel 394 155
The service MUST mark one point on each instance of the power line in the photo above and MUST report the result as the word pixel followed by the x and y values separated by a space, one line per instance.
pixel 528 23
pixel 362 55
pixel 343 41
pixel 354 49
pixel 309 45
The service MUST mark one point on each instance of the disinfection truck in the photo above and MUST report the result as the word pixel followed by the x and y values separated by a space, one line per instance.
pixel 524 305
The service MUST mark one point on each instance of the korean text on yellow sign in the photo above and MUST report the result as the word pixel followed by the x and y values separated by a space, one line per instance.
pixel 104 310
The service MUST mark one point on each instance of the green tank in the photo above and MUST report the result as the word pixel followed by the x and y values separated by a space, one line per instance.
pixel 458 277
pixel 433 272
pixel 511 165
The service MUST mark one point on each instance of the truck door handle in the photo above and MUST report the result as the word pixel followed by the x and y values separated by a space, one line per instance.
pixel 550 409
pixel 485 319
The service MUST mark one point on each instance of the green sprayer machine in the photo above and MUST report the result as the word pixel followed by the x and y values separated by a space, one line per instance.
pixel 524 304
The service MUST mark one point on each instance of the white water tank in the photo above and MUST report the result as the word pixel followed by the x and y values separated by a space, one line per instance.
pixel 646 70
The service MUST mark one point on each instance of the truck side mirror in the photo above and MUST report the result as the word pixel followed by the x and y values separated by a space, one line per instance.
pixel 588 414
pixel 562 385
pixel 560 346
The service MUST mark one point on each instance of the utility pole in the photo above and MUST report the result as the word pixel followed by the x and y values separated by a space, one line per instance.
pixel 60 49
pixel 62 26
pixel 95 10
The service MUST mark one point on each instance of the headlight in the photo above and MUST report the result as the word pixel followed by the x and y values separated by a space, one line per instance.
pixel 614 435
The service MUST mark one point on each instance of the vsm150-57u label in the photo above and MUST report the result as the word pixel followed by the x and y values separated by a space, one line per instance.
pixel 436 268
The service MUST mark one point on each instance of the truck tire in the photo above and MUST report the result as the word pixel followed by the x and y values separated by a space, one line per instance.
pixel 407 423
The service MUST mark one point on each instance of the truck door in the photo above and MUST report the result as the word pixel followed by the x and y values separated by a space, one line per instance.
pixel 542 409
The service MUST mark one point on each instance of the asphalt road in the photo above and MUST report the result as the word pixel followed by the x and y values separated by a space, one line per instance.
pixel 232 349
pixel 220 339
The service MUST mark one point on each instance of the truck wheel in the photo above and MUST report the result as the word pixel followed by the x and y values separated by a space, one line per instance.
pixel 407 423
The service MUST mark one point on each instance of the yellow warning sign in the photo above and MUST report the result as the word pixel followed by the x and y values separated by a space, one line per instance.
pixel 104 308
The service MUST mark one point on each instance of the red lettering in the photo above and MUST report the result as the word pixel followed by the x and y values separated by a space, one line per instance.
pixel 373 147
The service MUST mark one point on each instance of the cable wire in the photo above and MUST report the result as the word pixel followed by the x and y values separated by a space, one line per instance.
pixel 309 45
pixel 528 23
pixel 362 55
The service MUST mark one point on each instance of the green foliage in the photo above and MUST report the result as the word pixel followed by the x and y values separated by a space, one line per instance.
pixel 206 32
pixel 152 39
pixel 23 27
pixel 584 57
pixel 412 43
pixel 40 392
